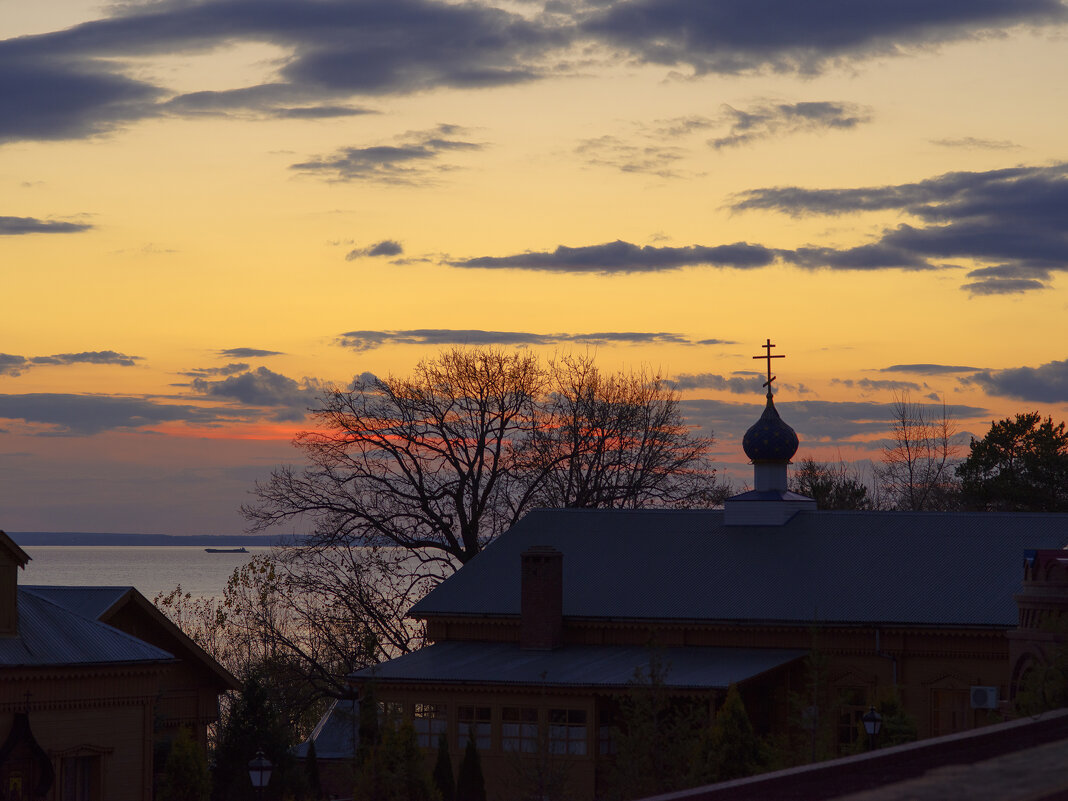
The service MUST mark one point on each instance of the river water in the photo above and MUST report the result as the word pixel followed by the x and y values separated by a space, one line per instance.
pixel 151 569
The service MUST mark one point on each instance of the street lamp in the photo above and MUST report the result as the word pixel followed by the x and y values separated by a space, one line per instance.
pixel 873 721
pixel 259 770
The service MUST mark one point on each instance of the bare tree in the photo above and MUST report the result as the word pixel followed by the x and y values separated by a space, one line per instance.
pixel 917 467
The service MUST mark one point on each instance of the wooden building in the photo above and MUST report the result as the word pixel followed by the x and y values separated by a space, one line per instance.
pixel 535 639
pixel 94 681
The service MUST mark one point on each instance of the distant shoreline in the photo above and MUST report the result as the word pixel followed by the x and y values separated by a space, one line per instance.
pixel 32 538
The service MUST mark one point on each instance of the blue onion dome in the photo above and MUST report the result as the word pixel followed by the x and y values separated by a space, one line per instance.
pixel 769 439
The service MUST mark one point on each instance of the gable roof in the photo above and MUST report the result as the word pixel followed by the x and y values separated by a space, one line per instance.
pixel 919 568
pixel 10 548
pixel 50 634
pixel 104 603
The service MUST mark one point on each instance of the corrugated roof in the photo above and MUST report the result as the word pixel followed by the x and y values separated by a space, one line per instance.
pixel 921 568
pixel 50 634
pixel 335 734
pixel 89 602
pixel 606 666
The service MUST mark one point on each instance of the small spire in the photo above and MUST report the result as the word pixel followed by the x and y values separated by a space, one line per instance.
pixel 768 346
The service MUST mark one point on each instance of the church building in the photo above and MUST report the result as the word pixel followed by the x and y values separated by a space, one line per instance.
pixel 534 641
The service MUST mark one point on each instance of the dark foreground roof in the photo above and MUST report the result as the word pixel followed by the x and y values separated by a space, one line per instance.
pixel 604 666
pixel 50 634
pixel 920 568
pixel 91 602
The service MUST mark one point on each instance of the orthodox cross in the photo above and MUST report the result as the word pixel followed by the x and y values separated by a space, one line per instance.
pixel 769 357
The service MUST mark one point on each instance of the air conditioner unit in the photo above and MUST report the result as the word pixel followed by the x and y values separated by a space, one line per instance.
pixel 984 697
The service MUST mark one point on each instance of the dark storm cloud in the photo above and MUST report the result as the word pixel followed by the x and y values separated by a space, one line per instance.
pixel 71 83
pixel 387 247
pixel 17 226
pixel 91 414
pixel 262 387
pixel 248 353
pixel 722 36
pixel 369 340
pixel 736 384
pixel 1013 219
pixel 624 257
pixel 780 119
pixel 928 369
pixel 412 159
pixel 1045 384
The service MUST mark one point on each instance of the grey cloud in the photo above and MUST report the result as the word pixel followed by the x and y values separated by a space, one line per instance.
pixel 972 143
pixel 864 257
pixel 265 100
pixel 927 369
pixel 387 247
pixel 16 226
pixel 70 83
pixel 262 387
pixel 1013 219
pixel 88 357
pixel 779 119
pixel 719 36
pixel 736 384
pixel 369 340
pixel 10 364
pixel 413 158
pixel 248 353
pixel 16 365
pixel 624 257
pixel 1047 383
pixel 92 414
pixel 877 384
pixel 648 157
pixel 826 422
pixel 207 372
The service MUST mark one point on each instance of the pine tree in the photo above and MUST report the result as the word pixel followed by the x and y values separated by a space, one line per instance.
pixel 185 777
pixel 470 785
pixel 443 778
pixel 736 750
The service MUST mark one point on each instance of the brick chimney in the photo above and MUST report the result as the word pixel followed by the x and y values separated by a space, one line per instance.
pixel 542 599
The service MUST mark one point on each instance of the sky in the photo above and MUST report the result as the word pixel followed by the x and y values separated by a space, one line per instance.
pixel 211 210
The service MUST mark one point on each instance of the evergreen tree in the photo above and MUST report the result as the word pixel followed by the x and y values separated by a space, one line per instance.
pixel 253 723
pixel 395 769
pixel 185 776
pixel 470 785
pixel 311 771
pixel 736 750
pixel 443 778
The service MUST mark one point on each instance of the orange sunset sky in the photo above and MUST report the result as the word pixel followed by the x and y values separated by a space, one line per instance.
pixel 211 209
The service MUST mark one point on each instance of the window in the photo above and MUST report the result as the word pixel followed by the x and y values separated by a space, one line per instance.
pixel 851 711
pixel 519 729
pixel 949 711
pixel 607 725
pixel 390 711
pixel 474 721
pixel 567 731
pixel 430 722
pixel 80 778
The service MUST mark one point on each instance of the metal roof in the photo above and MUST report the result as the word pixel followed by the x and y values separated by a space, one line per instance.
pixel 50 634
pixel 335 734
pixel 607 666
pixel 91 602
pixel 920 568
